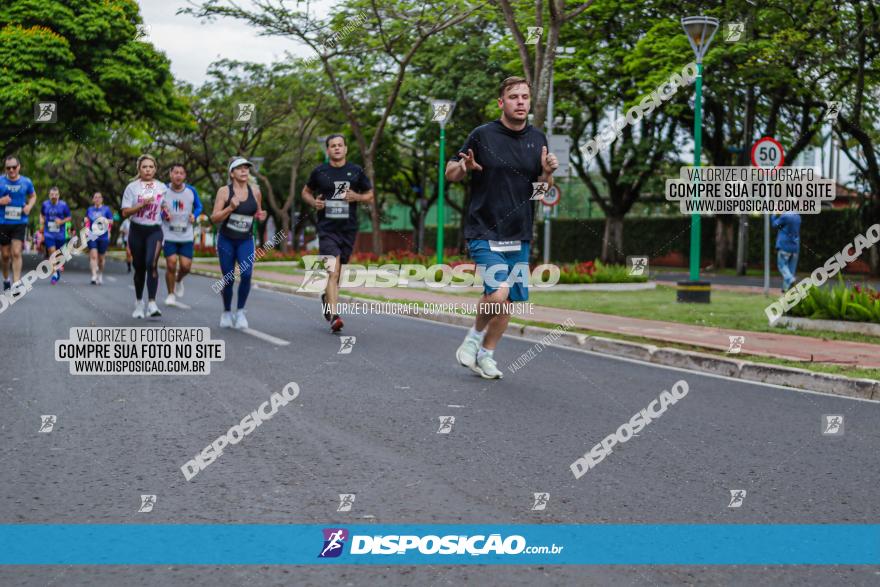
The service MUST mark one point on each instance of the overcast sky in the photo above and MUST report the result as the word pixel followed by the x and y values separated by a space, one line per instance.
pixel 192 45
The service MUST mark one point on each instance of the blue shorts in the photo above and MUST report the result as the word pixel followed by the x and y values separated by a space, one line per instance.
pixel 184 249
pixel 497 268
pixel 54 241
pixel 99 243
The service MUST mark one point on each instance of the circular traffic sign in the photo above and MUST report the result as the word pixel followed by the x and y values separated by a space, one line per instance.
pixel 767 152
pixel 552 197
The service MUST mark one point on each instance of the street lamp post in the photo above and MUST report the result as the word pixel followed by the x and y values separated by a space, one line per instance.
pixel 700 31
pixel 441 112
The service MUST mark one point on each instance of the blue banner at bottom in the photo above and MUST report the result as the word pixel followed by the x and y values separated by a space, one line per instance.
pixel 438 544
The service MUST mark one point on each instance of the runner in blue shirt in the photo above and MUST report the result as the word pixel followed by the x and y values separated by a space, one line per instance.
pixel 98 246
pixel 17 197
pixel 54 214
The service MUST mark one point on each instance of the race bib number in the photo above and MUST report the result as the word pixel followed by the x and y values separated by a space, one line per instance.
pixel 52 226
pixel 181 225
pixel 336 209
pixel 505 246
pixel 340 187
pixel 240 222
pixel 13 212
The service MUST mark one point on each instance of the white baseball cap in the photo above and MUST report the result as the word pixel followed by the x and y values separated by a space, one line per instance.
pixel 238 162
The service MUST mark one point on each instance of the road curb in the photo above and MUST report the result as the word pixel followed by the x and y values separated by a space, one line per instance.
pixel 670 357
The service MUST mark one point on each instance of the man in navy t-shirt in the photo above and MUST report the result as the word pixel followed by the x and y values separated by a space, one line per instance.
pixel 334 189
pixel 509 162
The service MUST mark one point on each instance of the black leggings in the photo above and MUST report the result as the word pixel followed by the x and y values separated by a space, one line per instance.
pixel 145 244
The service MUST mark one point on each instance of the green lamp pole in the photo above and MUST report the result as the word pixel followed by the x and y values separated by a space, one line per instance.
pixel 700 31
pixel 696 224
pixel 441 111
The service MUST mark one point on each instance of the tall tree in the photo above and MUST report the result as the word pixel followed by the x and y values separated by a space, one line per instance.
pixel 85 56
pixel 394 32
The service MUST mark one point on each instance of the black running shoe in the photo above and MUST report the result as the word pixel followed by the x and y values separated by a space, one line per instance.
pixel 336 323
pixel 6 284
pixel 325 307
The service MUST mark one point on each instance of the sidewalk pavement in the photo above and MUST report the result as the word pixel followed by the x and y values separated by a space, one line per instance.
pixel 766 344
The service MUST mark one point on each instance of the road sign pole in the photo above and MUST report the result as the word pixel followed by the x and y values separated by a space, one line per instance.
pixel 441 176
pixel 698 136
pixel 766 254
pixel 547 210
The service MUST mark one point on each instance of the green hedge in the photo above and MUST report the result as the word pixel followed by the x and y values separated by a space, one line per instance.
pixel 581 240
pixel 821 236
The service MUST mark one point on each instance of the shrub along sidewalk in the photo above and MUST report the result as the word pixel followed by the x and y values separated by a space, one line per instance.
pixel 702 326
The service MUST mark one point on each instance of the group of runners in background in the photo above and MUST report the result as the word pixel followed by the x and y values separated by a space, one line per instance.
pixel 504 160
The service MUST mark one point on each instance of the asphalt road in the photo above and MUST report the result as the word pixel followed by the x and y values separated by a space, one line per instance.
pixel 366 423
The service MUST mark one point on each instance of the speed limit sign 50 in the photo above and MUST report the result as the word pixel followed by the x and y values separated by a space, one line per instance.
pixel 767 152
pixel 552 197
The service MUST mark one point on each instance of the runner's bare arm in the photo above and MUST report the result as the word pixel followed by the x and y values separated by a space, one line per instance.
pixel 222 206
pixel 310 199
pixel 261 214
pixel 549 164
pixel 32 200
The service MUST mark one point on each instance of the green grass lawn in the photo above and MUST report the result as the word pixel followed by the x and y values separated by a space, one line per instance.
pixel 728 310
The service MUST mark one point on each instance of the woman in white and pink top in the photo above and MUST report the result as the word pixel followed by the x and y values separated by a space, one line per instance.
pixel 144 203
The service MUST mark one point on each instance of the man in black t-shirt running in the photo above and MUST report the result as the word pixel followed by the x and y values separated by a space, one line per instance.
pixel 509 162
pixel 334 189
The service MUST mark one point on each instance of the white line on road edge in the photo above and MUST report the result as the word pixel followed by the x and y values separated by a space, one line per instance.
pixel 266 337
pixel 180 305
pixel 616 357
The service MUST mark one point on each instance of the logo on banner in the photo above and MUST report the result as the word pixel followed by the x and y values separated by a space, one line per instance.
pixel 46 112
pixel 340 187
pixel 833 109
pixel 533 35
pixel 147 503
pixel 318 269
pixel 832 425
pixel 334 540
pixel 541 501
pixel 446 424
pixel 346 501
pixel 47 423
pixel 539 190
pixel 637 265
pixel 736 344
pixel 346 344
pixel 737 496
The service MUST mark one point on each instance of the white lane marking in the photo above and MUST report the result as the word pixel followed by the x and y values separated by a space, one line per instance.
pixel 627 359
pixel 454 406
pixel 266 337
pixel 111 278
pixel 180 305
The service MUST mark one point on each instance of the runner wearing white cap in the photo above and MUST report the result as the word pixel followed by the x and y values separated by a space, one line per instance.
pixel 235 208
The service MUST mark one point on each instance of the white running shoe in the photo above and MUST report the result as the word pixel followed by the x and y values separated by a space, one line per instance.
pixel 178 289
pixel 487 368
pixel 226 320
pixel 153 309
pixel 170 300
pixel 138 309
pixel 467 352
pixel 240 320
pixel 100 278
